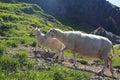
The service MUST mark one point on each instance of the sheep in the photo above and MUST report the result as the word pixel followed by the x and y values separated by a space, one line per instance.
pixel 51 43
pixel 87 45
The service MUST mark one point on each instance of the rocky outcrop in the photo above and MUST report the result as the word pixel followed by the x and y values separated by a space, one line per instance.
pixel 92 12
pixel 102 32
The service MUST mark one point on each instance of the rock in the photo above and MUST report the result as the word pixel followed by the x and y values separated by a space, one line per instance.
pixel 102 32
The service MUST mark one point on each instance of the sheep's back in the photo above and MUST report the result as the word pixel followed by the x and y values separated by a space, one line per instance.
pixel 87 43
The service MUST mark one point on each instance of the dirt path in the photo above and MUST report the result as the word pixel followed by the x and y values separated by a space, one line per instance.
pixel 45 57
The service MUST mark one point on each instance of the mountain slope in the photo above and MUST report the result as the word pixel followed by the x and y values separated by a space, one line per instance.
pixel 22 17
pixel 17 20
pixel 92 12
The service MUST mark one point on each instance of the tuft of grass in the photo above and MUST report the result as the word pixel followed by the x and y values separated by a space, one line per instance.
pixel 85 62
pixel 68 53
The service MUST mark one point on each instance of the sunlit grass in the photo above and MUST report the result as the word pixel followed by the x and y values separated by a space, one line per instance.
pixel 116 57
pixel 16 26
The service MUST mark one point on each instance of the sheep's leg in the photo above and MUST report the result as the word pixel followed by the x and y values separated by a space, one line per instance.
pixel 36 47
pixel 59 54
pixel 110 62
pixel 56 54
pixel 104 67
pixel 74 59
pixel 49 50
pixel 62 55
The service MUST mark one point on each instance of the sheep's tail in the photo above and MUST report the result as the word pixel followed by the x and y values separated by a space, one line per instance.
pixel 112 52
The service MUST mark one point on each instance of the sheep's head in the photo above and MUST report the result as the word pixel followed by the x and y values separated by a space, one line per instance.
pixel 51 33
pixel 36 32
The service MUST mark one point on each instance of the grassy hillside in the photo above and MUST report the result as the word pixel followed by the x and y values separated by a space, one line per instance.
pixel 16 24
pixel 23 17
pixel 17 21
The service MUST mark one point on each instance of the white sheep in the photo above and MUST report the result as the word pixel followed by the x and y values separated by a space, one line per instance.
pixel 51 43
pixel 87 45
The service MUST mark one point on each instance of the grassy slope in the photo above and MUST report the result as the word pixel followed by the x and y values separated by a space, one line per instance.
pixel 16 23
pixel 18 20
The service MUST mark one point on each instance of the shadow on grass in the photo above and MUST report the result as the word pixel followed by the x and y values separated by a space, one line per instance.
pixel 90 71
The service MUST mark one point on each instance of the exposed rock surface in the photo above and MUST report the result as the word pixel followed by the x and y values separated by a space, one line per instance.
pixel 102 32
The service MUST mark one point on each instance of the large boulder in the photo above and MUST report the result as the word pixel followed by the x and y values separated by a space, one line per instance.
pixel 102 32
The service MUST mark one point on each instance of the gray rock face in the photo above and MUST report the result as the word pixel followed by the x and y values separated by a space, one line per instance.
pixel 92 12
pixel 102 32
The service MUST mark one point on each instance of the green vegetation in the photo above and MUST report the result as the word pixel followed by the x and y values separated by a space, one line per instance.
pixel 18 20
pixel 19 66
pixel 52 72
pixel 16 24
pixel 116 57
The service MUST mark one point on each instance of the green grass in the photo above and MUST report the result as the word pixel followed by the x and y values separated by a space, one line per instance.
pixel 16 24
pixel 18 20
pixel 116 58
pixel 53 73
pixel 20 67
